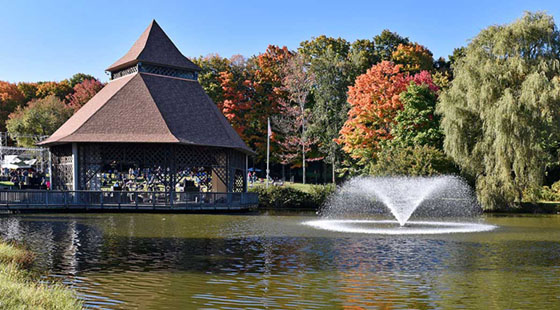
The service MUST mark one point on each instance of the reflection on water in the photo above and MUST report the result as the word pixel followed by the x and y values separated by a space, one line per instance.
pixel 149 261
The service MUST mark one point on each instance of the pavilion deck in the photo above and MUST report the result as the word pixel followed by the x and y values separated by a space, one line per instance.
pixel 78 201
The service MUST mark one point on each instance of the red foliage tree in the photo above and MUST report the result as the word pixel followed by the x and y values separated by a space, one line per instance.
pixel 253 92
pixel 83 92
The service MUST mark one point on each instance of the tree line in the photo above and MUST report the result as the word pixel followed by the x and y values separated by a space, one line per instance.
pixel 32 109
pixel 382 106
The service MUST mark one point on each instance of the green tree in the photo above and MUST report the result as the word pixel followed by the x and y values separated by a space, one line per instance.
pixel 416 146
pixel 386 43
pixel 424 160
pixel 40 117
pixel 209 78
pixel 362 56
pixel 79 78
pixel 335 63
pixel 500 116
pixel 458 53
pixel 417 123
pixel 329 108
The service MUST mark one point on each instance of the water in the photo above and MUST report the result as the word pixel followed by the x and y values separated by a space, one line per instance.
pixel 161 261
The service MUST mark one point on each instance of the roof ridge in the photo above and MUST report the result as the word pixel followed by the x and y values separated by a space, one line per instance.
pixel 157 107
pixel 225 125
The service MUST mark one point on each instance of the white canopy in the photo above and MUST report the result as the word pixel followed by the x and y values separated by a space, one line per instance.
pixel 16 162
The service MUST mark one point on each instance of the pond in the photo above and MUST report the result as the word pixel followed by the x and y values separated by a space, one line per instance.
pixel 272 261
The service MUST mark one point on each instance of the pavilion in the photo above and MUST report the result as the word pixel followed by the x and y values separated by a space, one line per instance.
pixel 153 117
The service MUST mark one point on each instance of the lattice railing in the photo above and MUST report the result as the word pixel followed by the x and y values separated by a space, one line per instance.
pixel 168 71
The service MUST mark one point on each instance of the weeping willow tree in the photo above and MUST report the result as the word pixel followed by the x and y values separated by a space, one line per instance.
pixel 500 116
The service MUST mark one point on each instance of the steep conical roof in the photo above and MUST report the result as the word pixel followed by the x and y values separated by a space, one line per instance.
pixel 155 47
pixel 145 107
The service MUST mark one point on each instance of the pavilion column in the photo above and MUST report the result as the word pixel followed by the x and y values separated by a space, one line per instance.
pixel 245 172
pixel 218 185
pixel 75 170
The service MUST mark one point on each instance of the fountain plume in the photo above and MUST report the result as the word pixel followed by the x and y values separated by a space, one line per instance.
pixel 403 196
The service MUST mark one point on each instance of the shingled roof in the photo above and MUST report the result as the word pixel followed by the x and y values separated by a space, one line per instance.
pixel 150 108
pixel 155 47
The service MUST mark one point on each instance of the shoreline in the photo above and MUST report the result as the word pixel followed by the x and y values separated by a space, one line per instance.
pixel 20 288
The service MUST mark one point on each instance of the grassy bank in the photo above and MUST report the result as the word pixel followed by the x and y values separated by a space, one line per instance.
pixel 21 290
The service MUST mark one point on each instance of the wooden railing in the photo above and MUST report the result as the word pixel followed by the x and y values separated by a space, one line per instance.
pixel 43 199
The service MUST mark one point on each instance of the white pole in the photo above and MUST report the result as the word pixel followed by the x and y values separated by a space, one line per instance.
pixel 267 151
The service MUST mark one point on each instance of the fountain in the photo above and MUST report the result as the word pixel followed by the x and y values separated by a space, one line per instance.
pixel 358 205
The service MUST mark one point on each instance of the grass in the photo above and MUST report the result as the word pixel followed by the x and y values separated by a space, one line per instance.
pixel 20 290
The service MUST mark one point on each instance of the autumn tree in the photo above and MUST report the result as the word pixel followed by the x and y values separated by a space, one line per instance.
pixel 83 92
pixel 298 81
pixel 40 117
pixel 237 99
pixel 374 100
pixel 29 90
pixel 252 92
pixel 11 97
pixel 294 147
pixel 413 57
pixel 415 147
pixel 58 89
pixel 501 114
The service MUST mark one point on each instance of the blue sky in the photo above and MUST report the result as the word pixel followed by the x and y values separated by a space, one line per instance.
pixel 51 40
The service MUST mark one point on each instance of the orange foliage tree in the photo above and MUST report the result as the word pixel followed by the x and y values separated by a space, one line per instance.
pixel 10 98
pixel 375 101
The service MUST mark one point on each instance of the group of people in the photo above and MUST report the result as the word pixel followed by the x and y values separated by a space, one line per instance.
pixel 150 180
pixel 26 178
pixel 252 178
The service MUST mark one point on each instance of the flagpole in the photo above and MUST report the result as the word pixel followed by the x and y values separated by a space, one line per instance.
pixel 268 152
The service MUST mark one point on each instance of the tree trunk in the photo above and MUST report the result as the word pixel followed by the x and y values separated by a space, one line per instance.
pixel 303 139
pixel 333 169
pixel 303 163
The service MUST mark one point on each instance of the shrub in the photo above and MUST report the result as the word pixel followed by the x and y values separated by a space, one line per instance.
pixel 321 193
pixel 276 197
pixel 543 193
